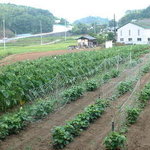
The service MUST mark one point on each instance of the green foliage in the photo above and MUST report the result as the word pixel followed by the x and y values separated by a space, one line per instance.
pixel 73 93
pixel 114 141
pixel 92 19
pixel 91 85
pixel 146 68
pixel 132 115
pixel 42 108
pixel 20 79
pixel 125 86
pixel 23 19
pixel 144 95
pixel 106 77
pixel 114 73
pixel 135 14
pixel 63 135
pixel 13 123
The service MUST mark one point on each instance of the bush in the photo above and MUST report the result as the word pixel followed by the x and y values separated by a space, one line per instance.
pixel 132 115
pixel 61 137
pixel 114 73
pixel 114 141
pixel 124 87
pixel 144 95
pixel 91 85
pixel 81 122
pixel 106 77
pixel 73 93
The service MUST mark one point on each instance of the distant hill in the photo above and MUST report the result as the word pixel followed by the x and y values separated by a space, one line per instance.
pixel 22 19
pixel 134 15
pixel 92 19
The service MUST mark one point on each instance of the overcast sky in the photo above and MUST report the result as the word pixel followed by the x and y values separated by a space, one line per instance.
pixel 75 9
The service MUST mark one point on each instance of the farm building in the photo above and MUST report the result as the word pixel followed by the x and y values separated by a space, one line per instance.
pixel 135 32
pixel 86 41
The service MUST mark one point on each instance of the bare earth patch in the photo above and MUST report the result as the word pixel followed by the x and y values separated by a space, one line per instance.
pixel 35 55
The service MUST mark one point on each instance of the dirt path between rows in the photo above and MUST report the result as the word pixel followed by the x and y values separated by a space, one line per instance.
pixel 35 55
pixel 37 135
pixel 139 134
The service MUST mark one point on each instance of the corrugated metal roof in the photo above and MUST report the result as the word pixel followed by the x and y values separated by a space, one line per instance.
pixel 87 37
pixel 144 23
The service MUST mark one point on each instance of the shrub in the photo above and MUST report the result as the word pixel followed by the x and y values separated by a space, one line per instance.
pixel 144 95
pixel 114 73
pixel 73 93
pixel 78 124
pixel 124 87
pixel 91 85
pixel 61 137
pixel 106 77
pixel 132 115
pixel 114 141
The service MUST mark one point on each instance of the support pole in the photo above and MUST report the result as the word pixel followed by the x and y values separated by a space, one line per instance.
pixel 4 34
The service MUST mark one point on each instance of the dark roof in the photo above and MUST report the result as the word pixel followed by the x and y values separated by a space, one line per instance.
pixel 87 37
pixel 144 23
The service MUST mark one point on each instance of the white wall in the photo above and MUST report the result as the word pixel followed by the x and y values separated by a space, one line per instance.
pixel 135 32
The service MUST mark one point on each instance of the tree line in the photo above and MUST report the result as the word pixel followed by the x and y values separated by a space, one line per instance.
pixel 23 19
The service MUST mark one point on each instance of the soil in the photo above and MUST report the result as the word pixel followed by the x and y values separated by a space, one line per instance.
pixel 37 136
pixel 35 55
pixel 139 134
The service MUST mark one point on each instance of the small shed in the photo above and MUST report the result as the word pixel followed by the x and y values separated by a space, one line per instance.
pixel 87 41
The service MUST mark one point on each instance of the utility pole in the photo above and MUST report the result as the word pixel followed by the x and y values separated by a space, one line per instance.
pixel 65 29
pixel 115 26
pixel 41 32
pixel 4 34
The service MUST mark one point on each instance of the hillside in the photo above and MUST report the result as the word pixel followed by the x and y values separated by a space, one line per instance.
pixel 23 19
pixel 91 20
pixel 134 14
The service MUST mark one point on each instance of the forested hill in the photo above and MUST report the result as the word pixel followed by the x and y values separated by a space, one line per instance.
pixel 134 14
pixel 92 19
pixel 23 19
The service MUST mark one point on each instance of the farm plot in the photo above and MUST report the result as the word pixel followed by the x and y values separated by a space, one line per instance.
pixel 37 137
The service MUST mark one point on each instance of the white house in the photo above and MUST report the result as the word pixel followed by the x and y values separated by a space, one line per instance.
pixel 135 32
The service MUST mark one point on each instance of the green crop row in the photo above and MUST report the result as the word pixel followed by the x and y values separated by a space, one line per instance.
pixel 17 80
pixel 63 135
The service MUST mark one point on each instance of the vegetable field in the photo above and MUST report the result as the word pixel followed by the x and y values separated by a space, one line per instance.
pixel 73 91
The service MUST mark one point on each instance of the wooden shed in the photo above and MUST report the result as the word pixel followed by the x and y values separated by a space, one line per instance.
pixel 86 41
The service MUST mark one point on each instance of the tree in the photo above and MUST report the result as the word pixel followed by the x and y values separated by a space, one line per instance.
pixel 23 19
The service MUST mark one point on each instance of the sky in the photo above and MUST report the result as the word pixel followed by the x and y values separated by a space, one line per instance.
pixel 76 9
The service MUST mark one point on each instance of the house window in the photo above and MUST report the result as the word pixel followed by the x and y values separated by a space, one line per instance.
pixel 121 33
pixel 148 39
pixel 139 39
pixel 129 39
pixel 129 32
pixel 138 32
pixel 121 39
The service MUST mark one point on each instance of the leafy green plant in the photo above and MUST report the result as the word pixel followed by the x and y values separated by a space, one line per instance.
pixel 124 87
pixel 144 95
pixel 91 85
pixel 114 73
pixel 61 137
pixel 115 141
pixel 81 122
pixel 132 115
pixel 106 77
pixel 73 93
